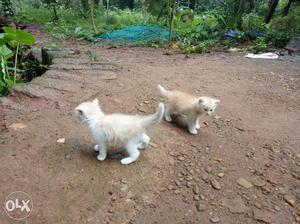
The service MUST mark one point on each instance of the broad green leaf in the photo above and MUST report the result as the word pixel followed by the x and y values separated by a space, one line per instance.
pixel 8 29
pixel 25 37
pixel 5 52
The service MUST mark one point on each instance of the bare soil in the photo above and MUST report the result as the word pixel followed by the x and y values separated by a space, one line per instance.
pixel 179 178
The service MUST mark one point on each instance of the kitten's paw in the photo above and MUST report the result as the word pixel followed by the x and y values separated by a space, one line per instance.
pixel 96 148
pixel 127 161
pixel 101 157
pixel 197 126
pixel 194 132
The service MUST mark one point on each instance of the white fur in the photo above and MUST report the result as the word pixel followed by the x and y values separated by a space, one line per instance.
pixel 117 131
pixel 185 104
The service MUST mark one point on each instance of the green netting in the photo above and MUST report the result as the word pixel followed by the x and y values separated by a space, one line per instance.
pixel 136 33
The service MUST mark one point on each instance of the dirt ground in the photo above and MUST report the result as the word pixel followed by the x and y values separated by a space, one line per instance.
pixel 242 167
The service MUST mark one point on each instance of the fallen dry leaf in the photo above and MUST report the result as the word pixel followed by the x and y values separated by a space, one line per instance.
pixel 17 126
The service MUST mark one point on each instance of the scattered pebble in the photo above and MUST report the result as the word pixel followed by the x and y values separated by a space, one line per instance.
pixel 235 205
pixel 244 183
pixel 221 175
pixel 200 207
pixel 180 158
pixel 290 199
pixel 208 169
pixel 215 219
pixel 196 190
pixel 17 126
pixel 215 184
pixel 177 191
pixel 61 140
pixel 196 198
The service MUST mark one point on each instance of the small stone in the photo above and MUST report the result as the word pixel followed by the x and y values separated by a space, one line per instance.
pixel 215 184
pixel 193 144
pixel 262 215
pixel 180 158
pixel 277 208
pixel 153 145
pixel 196 198
pixel 17 126
pixel 215 219
pixel 143 109
pixel 189 184
pixel 221 175
pixel 200 207
pixel 177 182
pixel 235 206
pixel 147 102
pixel 196 190
pixel 204 177
pixel 244 183
pixel 123 181
pixel 61 140
pixel 290 199
pixel 257 205
pixel 208 169
pixel 258 183
pixel 68 156
pixel 177 192
pixel 266 190
pixel 171 187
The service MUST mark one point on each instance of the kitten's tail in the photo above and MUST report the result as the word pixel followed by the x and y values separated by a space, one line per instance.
pixel 163 91
pixel 154 118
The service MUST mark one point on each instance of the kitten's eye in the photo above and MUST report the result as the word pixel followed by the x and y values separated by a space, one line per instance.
pixel 211 110
pixel 205 109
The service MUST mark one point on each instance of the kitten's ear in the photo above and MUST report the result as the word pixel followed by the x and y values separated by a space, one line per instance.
pixel 96 101
pixel 217 101
pixel 79 112
pixel 200 100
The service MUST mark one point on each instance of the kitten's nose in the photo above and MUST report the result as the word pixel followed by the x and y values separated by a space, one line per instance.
pixel 209 112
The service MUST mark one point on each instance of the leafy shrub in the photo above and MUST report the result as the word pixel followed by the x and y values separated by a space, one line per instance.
pixel 10 43
pixel 252 21
pixel 260 45
pixel 282 29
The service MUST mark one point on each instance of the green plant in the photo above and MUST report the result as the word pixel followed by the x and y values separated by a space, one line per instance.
pixel 10 42
pixel 260 45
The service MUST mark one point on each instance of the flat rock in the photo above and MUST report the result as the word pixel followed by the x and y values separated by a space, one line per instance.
pixel 290 199
pixel 92 66
pixel 200 207
pixel 32 90
pixel 215 184
pixel 244 183
pixel 258 182
pixel 235 205
pixel 63 85
pixel 214 219
pixel 262 216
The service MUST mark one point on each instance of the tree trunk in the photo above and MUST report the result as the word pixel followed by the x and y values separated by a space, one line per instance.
pixel 84 4
pixel 92 16
pixel 74 5
pixel 172 21
pixel 252 5
pixel 286 9
pixel 55 12
pixel 241 7
pixel 273 5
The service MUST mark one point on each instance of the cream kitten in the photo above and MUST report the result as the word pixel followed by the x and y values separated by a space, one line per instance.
pixel 117 131
pixel 182 103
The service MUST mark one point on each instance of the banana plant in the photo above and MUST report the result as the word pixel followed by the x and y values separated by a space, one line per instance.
pixel 10 42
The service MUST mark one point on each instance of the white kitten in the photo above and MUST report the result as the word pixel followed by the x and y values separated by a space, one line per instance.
pixel 118 131
pixel 185 104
